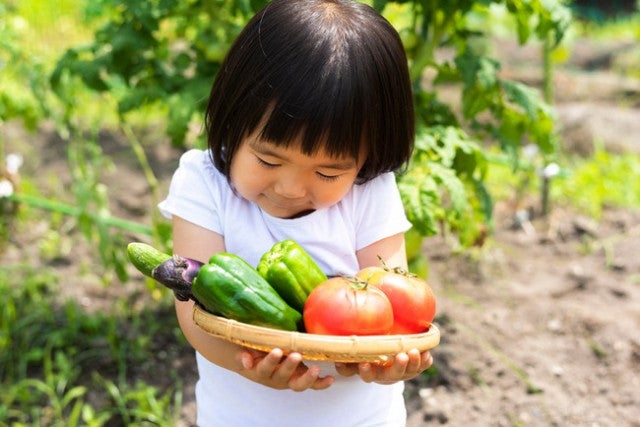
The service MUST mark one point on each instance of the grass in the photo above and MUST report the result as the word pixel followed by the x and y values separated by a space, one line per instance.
pixel 588 185
pixel 600 181
pixel 624 27
pixel 63 366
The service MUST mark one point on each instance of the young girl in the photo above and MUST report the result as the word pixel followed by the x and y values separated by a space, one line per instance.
pixel 309 115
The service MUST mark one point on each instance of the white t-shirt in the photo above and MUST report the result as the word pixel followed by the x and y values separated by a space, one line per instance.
pixel 200 194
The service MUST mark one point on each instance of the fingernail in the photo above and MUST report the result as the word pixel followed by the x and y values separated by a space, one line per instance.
pixel 246 363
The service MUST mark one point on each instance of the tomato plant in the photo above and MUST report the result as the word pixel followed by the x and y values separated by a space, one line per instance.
pixel 412 300
pixel 165 54
pixel 347 306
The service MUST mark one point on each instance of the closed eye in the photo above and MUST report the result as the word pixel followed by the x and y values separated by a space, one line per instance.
pixel 327 177
pixel 266 164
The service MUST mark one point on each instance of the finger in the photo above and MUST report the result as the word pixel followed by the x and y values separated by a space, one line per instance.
pixel 267 366
pixel 398 370
pixel 385 373
pixel 426 360
pixel 414 364
pixel 287 368
pixel 367 372
pixel 346 369
pixel 323 383
pixel 247 358
pixel 311 379
pixel 304 381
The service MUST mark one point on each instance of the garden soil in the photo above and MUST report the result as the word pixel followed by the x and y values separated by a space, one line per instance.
pixel 540 325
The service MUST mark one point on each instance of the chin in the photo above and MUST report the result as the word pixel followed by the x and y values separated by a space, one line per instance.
pixel 287 213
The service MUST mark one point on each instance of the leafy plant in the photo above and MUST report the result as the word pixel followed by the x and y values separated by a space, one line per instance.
pixel 47 347
pixel 164 53
pixel 445 184
pixel 434 189
pixel 19 72
pixel 167 53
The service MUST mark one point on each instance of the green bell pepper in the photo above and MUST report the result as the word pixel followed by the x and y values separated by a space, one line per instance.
pixel 291 271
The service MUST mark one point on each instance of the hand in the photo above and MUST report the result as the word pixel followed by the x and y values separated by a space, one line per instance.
pixel 281 372
pixel 403 367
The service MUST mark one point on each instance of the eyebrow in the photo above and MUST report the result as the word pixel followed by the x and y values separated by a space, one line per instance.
pixel 264 148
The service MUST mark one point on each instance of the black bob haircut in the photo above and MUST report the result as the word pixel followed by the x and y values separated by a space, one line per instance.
pixel 329 74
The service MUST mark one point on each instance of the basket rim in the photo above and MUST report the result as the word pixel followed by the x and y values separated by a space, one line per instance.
pixel 352 348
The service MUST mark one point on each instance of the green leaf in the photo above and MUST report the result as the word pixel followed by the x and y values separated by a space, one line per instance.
pixel 456 191
pixel 181 108
pixel 421 202
pixel 139 97
pixel 526 97
pixel 477 70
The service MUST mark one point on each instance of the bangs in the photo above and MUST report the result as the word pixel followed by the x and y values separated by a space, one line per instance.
pixel 320 109
pixel 328 75
pixel 338 82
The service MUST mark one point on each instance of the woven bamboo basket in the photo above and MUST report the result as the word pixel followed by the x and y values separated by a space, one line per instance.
pixel 347 349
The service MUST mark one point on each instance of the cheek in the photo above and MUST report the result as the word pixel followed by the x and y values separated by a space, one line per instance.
pixel 247 181
pixel 333 194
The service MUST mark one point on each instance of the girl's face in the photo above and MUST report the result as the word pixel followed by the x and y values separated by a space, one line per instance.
pixel 286 183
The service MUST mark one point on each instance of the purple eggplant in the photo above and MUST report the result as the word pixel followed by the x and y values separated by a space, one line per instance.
pixel 174 272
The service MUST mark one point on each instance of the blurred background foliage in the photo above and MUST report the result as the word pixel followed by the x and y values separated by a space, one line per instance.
pixel 85 66
pixel 161 57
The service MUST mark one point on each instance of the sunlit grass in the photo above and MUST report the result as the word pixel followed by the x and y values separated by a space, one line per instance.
pixel 620 28
pixel 588 185
pixel 49 27
pixel 602 180
pixel 36 33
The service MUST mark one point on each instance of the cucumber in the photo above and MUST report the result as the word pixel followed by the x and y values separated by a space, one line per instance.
pixel 145 257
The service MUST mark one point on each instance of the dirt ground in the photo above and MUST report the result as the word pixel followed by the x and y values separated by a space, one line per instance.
pixel 539 327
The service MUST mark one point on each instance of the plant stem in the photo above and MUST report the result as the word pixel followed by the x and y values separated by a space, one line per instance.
pixel 547 71
pixel 56 206
pixel 138 150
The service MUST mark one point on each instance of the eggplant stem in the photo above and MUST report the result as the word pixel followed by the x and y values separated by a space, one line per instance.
pixel 177 273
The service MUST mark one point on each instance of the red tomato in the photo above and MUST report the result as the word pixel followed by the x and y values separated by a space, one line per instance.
pixel 412 300
pixel 347 306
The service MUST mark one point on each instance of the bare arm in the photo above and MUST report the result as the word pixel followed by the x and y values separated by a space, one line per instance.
pixel 390 249
pixel 197 243
pixel 270 369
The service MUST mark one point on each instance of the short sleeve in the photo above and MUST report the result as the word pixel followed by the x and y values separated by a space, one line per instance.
pixel 378 210
pixel 195 192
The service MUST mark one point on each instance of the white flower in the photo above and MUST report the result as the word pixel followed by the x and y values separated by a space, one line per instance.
pixel 6 188
pixel 13 162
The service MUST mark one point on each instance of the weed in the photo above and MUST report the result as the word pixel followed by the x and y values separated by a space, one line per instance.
pixel 600 181
pixel 597 349
pixel 48 347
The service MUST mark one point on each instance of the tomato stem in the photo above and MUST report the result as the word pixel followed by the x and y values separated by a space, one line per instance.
pixel 357 283
pixel 397 270
pixel 384 264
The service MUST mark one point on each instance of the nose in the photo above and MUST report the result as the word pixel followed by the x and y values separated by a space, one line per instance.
pixel 290 186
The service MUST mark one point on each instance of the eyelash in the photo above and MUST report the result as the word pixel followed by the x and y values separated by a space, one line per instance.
pixel 265 164
pixel 329 178
pixel 323 177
